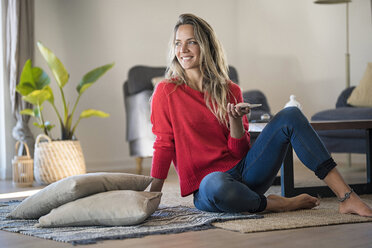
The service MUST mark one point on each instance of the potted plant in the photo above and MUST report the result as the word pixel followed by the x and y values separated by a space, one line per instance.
pixel 51 161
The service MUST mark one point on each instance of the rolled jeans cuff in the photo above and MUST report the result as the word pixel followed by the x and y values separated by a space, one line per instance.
pixel 263 204
pixel 324 168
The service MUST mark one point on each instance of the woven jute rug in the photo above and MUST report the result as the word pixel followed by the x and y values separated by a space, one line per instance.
pixel 323 215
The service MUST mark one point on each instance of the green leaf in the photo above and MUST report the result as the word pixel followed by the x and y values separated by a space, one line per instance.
pixel 38 125
pixel 41 79
pixel 33 112
pixel 26 75
pixel 58 69
pixel 51 98
pixel 26 83
pixel 92 112
pixel 25 88
pixel 37 97
pixel 92 77
pixel 32 79
pixel 27 112
pixel 83 88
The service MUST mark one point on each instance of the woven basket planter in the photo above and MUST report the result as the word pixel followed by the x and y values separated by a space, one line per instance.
pixel 55 160
pixel 23 168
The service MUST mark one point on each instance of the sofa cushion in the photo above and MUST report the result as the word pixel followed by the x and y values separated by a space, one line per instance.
pixel 113 208
pixel 75 187
pixel 343 113
pixel 342 98
pixel 362 95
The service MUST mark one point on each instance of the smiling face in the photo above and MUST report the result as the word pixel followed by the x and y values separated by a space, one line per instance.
pixel 187 49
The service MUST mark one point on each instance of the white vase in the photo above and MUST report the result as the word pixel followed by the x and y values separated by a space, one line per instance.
pixel 293 102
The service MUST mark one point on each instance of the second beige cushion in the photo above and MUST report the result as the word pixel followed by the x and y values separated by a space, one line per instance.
pixel 113 208
pixel 75 187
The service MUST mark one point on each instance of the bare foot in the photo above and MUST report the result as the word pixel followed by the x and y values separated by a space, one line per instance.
pixel 355 205
pixel 277 203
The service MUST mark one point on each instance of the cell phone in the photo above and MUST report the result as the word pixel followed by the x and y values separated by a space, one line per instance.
pixel 254 105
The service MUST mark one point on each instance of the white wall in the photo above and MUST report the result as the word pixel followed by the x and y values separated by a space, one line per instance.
pixel 298 47
pixel 280 47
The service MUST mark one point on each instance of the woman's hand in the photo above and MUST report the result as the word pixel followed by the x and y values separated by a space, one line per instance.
pixel 157 185
pixel 238 110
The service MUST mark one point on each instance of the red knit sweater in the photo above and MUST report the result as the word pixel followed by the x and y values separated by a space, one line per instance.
pixel 188 134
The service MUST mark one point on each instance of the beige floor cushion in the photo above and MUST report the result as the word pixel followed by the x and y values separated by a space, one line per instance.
pixel 75 187
pixel 113 208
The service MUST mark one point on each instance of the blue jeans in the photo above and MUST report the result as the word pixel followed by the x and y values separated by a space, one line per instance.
pixel 241 188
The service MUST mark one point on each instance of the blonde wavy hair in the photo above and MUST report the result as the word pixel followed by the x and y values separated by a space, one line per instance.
pixel 213 65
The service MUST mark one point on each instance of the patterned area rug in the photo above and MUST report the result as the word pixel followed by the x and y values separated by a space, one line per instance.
pixel 166 220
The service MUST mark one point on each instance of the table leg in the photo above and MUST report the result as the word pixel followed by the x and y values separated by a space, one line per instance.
pixel 287 180
pixel 139 161
pixel 286 173
pixel 368 157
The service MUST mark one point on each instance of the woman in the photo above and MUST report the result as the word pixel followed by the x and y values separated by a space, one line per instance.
pixel 200 123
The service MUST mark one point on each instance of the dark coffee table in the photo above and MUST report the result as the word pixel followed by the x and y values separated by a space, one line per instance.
pixel 287 180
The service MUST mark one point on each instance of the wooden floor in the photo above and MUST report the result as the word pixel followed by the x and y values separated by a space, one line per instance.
pixel 349 235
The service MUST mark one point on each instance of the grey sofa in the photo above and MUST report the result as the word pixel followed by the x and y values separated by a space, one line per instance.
pixel 344 141
pixel 137 91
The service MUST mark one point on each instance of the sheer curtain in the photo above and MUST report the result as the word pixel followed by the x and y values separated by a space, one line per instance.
pixel 19 47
